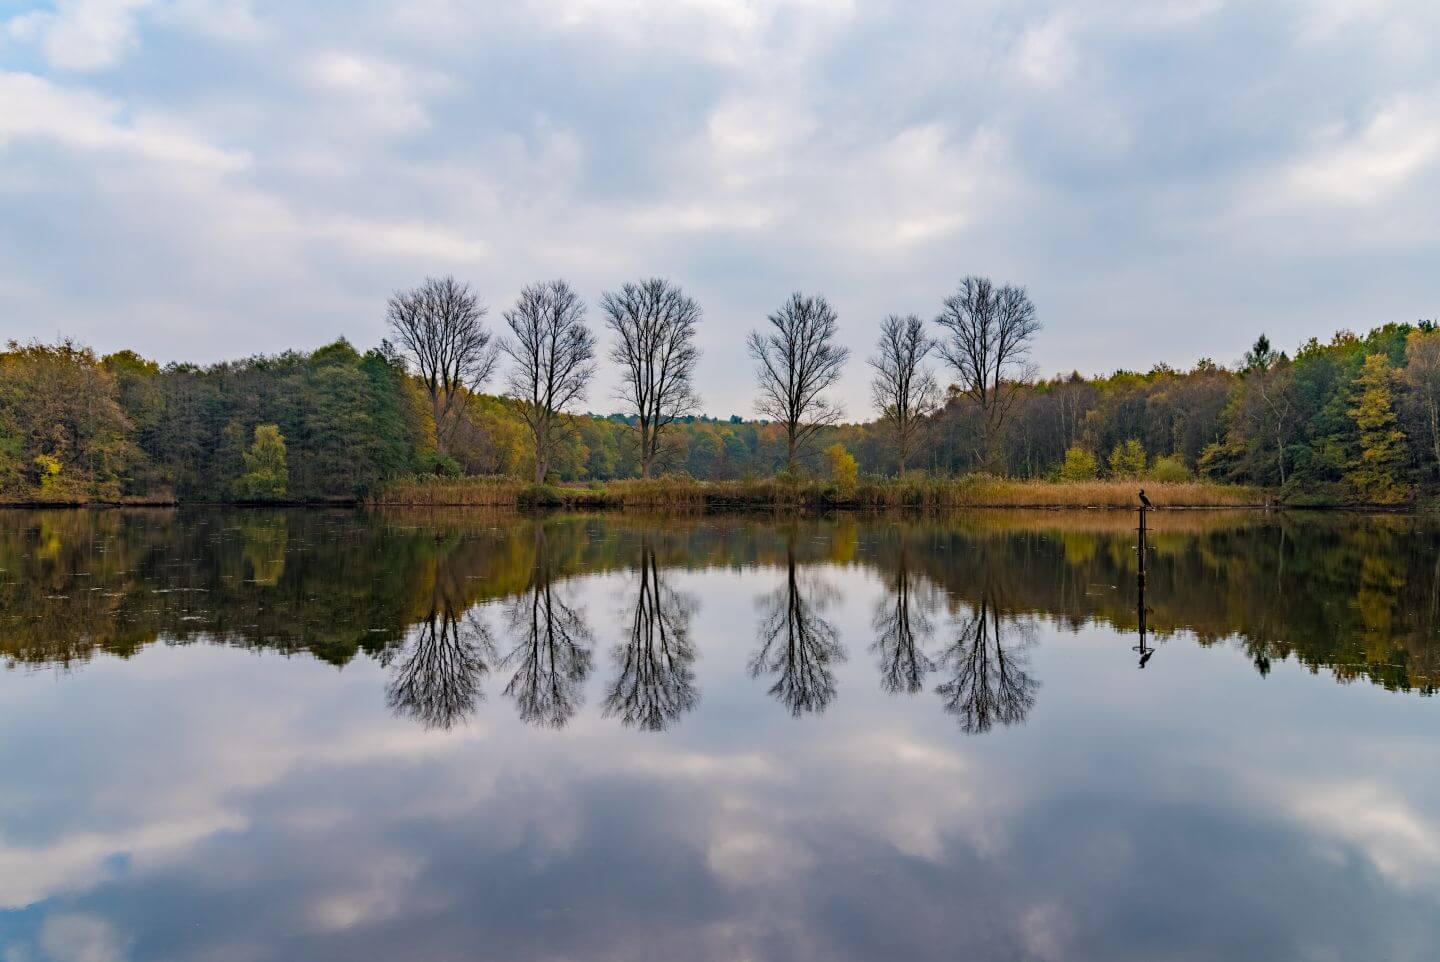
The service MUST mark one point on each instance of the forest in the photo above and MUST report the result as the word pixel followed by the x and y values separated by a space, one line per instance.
pixel 1355 419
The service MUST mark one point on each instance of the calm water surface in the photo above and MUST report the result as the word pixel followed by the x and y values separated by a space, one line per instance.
pixel 435 736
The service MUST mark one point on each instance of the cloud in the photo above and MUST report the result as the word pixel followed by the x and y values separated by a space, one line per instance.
pixel 82 34
pixel 377 93
pixel 1045 55
pixel 874 152
pixel 1402 844
pixel 78 119
pixel 1364 165
pixel 77 937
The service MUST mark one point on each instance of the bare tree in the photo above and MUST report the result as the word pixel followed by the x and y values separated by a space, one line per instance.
pixel 798 360
pixel 654 324
pixel 439 328
pixel 904 389
pixel 553 351
pixel 989 331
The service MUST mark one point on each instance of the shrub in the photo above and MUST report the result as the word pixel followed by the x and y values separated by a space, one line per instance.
pixel 1127 460
pixel 1080 465
pixel 1170 468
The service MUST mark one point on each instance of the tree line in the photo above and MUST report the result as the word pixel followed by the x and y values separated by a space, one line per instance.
pixel 1356 418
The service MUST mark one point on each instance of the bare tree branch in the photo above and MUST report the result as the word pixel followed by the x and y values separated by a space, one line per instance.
pixel 988 343
pixel 904 390
pixel 654 324
pixel 552 351
pixel 798 360
pixel 438 328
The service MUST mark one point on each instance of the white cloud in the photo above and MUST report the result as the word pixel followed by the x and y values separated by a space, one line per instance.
pixel 82 34
pixel 79 937
pixel 382 95
pixel 1372 162
pixel 1402 844
pixel 36 109
pixel 1046 55
pixel 31 875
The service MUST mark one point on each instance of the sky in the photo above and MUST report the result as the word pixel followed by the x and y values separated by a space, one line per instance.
pixel 208 179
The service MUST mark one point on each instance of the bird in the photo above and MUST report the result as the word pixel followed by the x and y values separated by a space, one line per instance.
pixel 1144 501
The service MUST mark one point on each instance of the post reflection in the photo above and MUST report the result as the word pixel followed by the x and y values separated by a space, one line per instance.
pixel 550 654
pixel 797 645
pixel 655 678
pixel 987 669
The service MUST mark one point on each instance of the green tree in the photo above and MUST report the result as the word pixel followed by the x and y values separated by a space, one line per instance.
pixel 1376 470
pixel 1127 459
pixel 1080 465
pixel 266 474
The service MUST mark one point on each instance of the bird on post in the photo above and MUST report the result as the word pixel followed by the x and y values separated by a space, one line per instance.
pixel 1144 501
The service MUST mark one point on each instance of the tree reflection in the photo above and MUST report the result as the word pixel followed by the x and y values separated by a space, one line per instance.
pixel 437 679
pixel 902 626
pixel 797 645
pixel 988 681
pixel 656 681
pixel 551 655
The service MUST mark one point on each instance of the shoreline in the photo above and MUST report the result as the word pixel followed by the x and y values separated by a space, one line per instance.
pixel 923 494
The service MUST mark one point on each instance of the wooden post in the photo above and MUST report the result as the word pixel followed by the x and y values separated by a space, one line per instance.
pixel 1143 649
pixel 1142 548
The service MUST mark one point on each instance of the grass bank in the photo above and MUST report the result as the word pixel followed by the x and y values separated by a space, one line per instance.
pixel 969 491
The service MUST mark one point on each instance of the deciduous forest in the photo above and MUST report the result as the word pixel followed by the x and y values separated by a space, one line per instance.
pixel 1355 419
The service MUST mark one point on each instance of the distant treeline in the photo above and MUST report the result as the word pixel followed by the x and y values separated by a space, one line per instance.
pixel 1357 419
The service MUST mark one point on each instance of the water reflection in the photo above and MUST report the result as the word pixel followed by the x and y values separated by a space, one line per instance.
pixel 181 793
pixel 903 626
pixel 435 678
pixel 986 670
pixel 1358 598
pixel 550 654
pixel 798 647
pixel 655 676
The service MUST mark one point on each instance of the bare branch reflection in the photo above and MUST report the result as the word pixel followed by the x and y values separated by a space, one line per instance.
pixel 437 679
pixel 903 626
pixel 551 655
pixel 797 645
pixel 988 680
pixel 656 680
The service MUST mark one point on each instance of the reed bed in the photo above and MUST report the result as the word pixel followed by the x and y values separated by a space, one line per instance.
pixel 969 491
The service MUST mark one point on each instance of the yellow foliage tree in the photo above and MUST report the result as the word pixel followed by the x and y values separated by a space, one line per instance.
pixel 842 467
pixel 1376 471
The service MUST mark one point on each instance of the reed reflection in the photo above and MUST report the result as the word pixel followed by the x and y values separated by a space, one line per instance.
pixel 551 655
pixel 987 669
pixel 655 678
pixel 797 645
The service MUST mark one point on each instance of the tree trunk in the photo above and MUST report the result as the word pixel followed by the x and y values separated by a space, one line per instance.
pixel 1280 455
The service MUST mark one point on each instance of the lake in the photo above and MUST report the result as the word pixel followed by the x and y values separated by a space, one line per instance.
pixel 308 734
